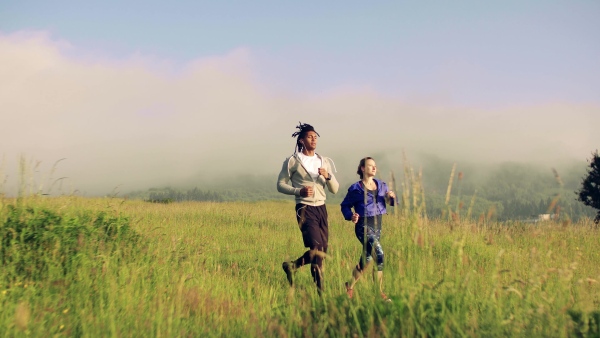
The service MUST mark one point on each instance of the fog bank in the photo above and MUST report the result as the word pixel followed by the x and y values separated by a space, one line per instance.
pixel 136 123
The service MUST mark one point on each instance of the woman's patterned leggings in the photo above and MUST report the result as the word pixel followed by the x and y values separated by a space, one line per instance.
pixel 370 241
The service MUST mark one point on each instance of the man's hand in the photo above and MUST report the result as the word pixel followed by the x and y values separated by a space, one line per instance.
pixel 323 172
pixel 355 217
pixel 307 192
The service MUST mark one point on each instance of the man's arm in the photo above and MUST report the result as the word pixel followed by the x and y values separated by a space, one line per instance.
pixel 283 180
pixel 332 183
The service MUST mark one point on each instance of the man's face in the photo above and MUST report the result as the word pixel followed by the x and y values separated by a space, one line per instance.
pixel 310 140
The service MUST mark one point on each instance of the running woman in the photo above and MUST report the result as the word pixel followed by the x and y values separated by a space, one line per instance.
pixel 364 205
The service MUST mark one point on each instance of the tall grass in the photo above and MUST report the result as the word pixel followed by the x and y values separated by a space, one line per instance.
pixel 89 267
pixel 214 269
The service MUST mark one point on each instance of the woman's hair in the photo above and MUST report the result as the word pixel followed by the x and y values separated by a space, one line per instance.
pixel 303 128
pixel 362 164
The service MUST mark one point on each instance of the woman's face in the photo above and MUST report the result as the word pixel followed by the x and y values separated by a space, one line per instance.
pixel 370 168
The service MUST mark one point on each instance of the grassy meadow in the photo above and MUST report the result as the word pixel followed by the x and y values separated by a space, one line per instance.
pixel 110 267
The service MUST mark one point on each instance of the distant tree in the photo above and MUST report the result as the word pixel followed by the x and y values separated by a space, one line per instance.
pixel 589 193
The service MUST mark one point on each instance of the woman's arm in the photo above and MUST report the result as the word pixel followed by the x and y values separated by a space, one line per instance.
pixel 346 206
pixel 390 197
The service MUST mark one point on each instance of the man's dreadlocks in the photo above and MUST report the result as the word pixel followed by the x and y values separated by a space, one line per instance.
pixel 303 128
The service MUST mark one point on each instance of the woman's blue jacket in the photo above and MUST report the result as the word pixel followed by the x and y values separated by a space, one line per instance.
pixel 355 198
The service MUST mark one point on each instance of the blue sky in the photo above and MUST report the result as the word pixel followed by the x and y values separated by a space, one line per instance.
pixel 469 52
pixel 479 70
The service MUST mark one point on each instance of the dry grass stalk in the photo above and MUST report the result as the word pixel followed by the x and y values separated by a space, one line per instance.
pixel 450 183
pixel 22 315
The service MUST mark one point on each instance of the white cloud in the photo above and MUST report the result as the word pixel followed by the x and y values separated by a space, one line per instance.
pixel 139 122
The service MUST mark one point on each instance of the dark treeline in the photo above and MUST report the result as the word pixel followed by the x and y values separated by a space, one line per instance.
pixel 506 191
pixel 168 195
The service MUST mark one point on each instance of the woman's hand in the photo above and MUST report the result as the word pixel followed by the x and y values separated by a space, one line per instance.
pixel 390 194
pixel 355 217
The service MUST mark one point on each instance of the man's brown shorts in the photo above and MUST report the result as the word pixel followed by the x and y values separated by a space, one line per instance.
pixel 312 221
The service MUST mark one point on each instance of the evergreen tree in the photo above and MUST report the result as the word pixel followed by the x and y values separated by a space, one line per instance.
pixel 589 193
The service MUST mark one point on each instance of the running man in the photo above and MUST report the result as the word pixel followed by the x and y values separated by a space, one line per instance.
pixel 305 175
